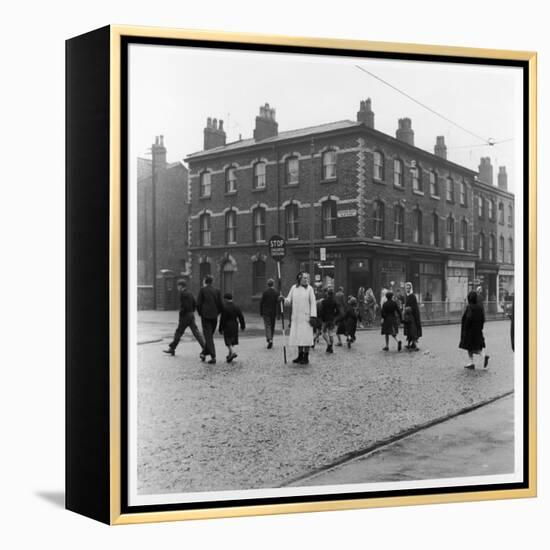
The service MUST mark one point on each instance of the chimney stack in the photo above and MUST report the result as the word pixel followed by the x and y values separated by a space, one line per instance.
pixel 214 134
pixel 440 149
pixel 266 126
pixel 158 152
pixel 404 131
pixel 365 113
pixel 486 170
pixel 502 178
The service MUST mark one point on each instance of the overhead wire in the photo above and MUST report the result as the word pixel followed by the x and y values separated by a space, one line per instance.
pixel 486 141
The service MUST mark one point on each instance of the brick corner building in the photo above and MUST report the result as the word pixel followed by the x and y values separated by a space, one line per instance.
pixel 383 210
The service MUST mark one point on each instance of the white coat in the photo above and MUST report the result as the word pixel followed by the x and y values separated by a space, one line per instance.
pixel 304 306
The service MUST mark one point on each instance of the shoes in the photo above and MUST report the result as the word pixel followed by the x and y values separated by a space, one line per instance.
pixel 349 343
pixel 305 358
pixel 169 351
pixel 329 349
pixel 230 357
pixel 399 344
pixel 270 344
pixel 386 349
pixel 471 366
pixel 299 358
pixel 212 361
pixel 485 361
pixel 203 357
pixel 339 343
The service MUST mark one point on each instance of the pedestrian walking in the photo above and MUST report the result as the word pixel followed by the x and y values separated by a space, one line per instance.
pixel 471 330
pixel 318 328
pixel 209 306
pixel 370 307
pixel 481 295
pixel 341 303
pixel 268 311
pixel 351 317
pixel 391 317
pixel 415 329
pixel 230 320
pixel 186 319
pixel 329 312
pixel 409 327
pixel 361 309
pixel 301 299
pixel 512 324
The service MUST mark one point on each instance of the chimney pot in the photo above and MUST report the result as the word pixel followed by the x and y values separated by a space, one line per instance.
pixel 266 125
pixel 365 113
pixel 440 148
pixel 404 131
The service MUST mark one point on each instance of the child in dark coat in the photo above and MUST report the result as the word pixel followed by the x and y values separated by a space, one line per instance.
pixel 409 327
pixel 230 319
pixel 351 316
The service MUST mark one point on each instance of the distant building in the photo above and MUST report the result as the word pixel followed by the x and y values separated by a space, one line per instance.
pixel 383 210
pixel 171 228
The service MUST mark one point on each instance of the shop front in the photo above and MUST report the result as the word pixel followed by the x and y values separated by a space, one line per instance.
pixel 505 289
pixel 460 280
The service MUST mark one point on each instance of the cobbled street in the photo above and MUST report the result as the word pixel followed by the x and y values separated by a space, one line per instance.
pixel 259 423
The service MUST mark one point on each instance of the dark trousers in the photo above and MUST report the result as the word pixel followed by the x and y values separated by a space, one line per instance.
pixel 208 329
pixel 186 320
pixel 269 324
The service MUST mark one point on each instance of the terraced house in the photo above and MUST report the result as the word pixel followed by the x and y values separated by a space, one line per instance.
pixel 358 208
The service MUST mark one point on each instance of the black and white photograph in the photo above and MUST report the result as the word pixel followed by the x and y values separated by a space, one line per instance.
pixel 325 274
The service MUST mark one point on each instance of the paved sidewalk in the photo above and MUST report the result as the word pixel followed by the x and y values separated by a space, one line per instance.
pixel 472 444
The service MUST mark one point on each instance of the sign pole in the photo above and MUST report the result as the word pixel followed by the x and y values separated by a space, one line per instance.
pixel 282 311
pixel 277 251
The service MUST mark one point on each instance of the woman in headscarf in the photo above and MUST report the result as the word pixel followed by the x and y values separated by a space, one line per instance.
pixel 370 307
pixel 415 325
pixel 471 330
pixel 301 299
pixel 361 312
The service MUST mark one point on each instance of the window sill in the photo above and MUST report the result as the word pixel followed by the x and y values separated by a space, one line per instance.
pixel 377 237
pixel 400 187
pixel 329 236
pixel 293 239
pixel 260 242
pixel 449 201
pixel 397 241
pixel 231 243
pixel 379 182
pixel 435 197
pixel 419 193
pixel 229 193
pixel 205 197
pixel 329 180
pixel 259 189
pixel 296 184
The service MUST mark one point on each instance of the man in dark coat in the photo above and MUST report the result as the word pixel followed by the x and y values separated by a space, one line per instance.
pixel 186 319
pixel 230 320
pixel 268 311
pixel 471 330
pixel 416 329
pixel 341 303
pixel 391 317
pixel 209 306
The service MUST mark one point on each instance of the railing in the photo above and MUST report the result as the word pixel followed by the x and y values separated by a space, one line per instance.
pixel 452 311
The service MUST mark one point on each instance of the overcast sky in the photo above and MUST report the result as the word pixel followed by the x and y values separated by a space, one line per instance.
pixel 172 90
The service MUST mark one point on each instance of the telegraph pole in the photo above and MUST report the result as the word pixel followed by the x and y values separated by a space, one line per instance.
pixel 312 217
pixel 154 220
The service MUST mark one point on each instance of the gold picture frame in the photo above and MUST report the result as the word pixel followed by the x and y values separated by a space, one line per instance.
pixel 96 469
